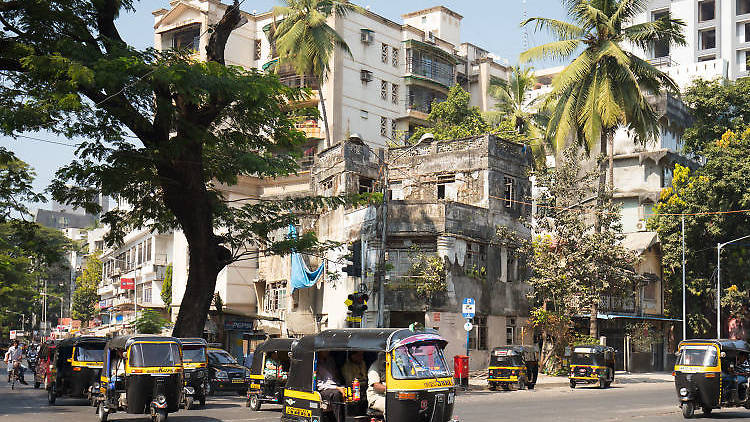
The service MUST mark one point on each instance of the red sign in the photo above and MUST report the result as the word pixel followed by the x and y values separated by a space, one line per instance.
pixel 127 283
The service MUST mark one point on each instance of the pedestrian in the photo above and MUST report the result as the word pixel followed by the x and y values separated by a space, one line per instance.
pixel 15 356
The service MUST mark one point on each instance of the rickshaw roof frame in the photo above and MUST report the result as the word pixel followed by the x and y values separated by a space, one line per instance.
pixel 276 345
pixel 366 339
pixel 75 341
pixel 724 344
pixel 598 348
pixel 193 341
pixel 122 342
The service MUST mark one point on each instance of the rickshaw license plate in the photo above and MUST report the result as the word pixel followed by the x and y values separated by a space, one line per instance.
pixel 237 381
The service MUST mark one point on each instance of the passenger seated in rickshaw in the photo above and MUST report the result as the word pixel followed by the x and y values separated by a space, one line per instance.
pixel 355 368
pixel 274 369
pixel 376 384
pixel 329 386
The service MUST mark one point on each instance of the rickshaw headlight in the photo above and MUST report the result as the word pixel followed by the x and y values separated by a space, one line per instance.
pixel 683 391
pixel 221 374
pixel 161 399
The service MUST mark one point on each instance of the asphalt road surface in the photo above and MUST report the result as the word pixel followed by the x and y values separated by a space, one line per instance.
pixel 625 402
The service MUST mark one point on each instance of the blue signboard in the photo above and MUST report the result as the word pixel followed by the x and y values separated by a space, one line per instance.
pixel 468 307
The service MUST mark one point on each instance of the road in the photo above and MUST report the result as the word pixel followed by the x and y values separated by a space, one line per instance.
pixel 625 402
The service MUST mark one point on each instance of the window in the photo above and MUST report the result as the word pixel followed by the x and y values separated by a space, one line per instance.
pixel 257 49
pixel 509 188
pixel 327 184
pixel 364 114
pixel 147 294
pixel 139 252
pixel 148 250
pixel 442 180
pixel 661 46
pixel 394 93
pixel 509 335
pixel 747 32
pixel 188 38
pixel 366 185
pixel 394 57
pixel 394 130
pixel 383 127
pixel 424 20
pixel 706 10
pixel 383 90
pixel 743 7
pixel 707 39
pixel 274 297
pixel 478 334
pixel 384 53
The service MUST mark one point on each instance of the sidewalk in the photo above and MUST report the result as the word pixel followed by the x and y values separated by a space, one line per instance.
pixel 478 379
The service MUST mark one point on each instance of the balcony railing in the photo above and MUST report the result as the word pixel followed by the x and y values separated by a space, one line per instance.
pixel 300 81
pixel 430 69
pixel 310 128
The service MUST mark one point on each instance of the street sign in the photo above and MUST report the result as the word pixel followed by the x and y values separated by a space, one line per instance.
pixel 354 319
pixel 468 308
pixel 468 326
pixel 127 283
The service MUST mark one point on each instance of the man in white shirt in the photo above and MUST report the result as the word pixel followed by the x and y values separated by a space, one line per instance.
pixel 376 384
pixel 15 354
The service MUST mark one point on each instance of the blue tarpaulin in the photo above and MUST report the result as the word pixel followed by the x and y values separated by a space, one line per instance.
pixel 302 277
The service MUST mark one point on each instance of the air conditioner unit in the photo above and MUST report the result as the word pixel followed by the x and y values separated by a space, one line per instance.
pixel 366 36
pixel 365 75
pixel 430 37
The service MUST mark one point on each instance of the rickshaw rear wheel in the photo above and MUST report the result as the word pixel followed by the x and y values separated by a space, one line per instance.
pixel 102 413
pixel 253 402
pixel 572 384
pixel 492 386
pixel 688 410
pixel 706 410
pixel 506 387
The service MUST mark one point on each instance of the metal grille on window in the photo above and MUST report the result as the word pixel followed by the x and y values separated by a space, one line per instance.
pixel 394 130
pixel 478 334
pixel 394 57
pixel 274 296
pixel 257 49
pixel 394 93
pixel 383 90
pixel 509 188
pixel 383 126
pixel 384 53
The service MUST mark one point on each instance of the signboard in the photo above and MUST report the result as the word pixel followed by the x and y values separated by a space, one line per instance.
pixel 468 326
pixel 354 319
pixel 238 325
pixel 468 308
pixel 127 283
pixel 436 317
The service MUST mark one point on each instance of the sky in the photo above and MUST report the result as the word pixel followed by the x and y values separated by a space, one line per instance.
pixel 490 24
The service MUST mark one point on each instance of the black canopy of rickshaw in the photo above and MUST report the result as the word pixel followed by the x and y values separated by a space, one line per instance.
pixel 355 339
pixel 193 341
pixel 725 345
pixel 122 342
pixel 283 345
pixel 595 348
pixel 75 341
pixel 530 353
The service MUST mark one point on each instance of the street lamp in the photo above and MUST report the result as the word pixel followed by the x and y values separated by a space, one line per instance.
pixel 718 282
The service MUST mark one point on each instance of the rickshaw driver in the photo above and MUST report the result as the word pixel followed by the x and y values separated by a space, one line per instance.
pixel 376 384
pixel 329 387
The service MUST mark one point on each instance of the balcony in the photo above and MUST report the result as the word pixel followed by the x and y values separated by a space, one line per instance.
pixel 310 128
pixel 428 63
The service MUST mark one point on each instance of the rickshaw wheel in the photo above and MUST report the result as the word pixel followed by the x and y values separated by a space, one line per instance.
pixel 102 413
pixel 572 384
pixel 706 410
pixel 36 384
pixel 688 410
pixel 201 400
pixel 51 397
pixel 254 402
pixel 160 416
pixel 492 386
pixel 521 385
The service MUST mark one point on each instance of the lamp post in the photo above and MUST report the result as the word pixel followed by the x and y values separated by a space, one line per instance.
pixel 718 282
pixel 684 316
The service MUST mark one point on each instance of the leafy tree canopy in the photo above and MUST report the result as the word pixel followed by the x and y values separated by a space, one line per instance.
pixel 85 296
pixel 150 322
pixel 716 106
pixel 453 118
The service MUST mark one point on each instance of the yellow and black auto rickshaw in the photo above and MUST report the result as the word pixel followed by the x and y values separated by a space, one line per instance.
pixel 269 372
pixel 142 374
pixel 513 365
pixel 74 369
pixel 195 371
pixel 592 364
pixel 711 374
pixel 418 381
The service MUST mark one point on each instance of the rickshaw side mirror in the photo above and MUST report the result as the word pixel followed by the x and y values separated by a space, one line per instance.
pixel 677 353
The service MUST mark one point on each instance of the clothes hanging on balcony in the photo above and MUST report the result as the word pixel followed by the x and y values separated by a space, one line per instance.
pixel 302 277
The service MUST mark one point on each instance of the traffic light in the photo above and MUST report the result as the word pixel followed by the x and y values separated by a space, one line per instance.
pixel 354 259
pixel 357 303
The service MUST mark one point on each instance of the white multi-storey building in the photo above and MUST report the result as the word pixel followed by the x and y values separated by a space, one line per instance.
pixel 717 34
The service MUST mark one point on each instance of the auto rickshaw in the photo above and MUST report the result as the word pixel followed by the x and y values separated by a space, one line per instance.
pixel 195 371
pixel 513 365
pixel 711 374
pixel 592 364
pixel 75 368
pixel 268 372
pixel 142 374
pixel 419 382
pixel 43 370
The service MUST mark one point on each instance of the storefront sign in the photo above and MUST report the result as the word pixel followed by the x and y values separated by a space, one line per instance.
pixel 127 283
pixel 238 325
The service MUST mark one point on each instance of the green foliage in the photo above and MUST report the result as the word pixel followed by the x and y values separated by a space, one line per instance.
pixel 556 333
pixel 605 85
pixel 583 340
pixel 735 302
pixel 166 287
pixel 427 274
pixel 720 185
pixel 15 186
pixel 453 118
pixel 643 335
pixel 715 106
pixel 150 322
pixel 85 296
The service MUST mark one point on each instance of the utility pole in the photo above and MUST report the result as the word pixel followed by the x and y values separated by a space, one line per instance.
pixel 383 238
pixel 684 313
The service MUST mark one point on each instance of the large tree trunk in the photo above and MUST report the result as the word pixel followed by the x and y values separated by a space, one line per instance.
pixel 594 321
pixel 325 115
pixel 600 193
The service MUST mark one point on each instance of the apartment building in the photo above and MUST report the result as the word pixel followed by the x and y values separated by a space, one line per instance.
pixel 382 91
pixel 717 34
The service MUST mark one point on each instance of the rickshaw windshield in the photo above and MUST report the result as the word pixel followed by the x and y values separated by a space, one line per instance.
pixel 587 356
pixel 419 361
pixel 698 355
pixel 89 353
pixel 155 354
pixel 193 354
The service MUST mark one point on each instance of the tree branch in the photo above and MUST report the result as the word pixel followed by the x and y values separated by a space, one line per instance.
pixel 218 41
pixel 106 13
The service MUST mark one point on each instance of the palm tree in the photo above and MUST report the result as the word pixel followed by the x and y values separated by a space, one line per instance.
pixel 526 114
pixel 605 86
pixel 305 41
